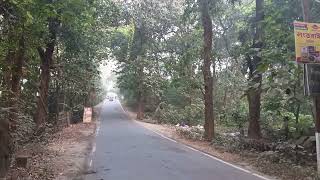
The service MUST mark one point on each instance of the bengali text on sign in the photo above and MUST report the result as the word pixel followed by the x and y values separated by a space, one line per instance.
pixel 307 42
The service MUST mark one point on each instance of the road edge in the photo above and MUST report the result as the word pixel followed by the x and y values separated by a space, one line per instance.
pixel 197 150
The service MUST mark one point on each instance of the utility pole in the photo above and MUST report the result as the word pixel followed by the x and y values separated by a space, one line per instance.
pixel 316 98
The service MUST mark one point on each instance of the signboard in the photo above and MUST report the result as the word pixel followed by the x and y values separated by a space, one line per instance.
pixel 87 115
pixel 307 42
pixel 312 79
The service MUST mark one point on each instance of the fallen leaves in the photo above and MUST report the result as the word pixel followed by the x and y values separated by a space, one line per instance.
pixel 58 155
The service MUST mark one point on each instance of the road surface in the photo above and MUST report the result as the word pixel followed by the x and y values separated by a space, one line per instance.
pixel 125 150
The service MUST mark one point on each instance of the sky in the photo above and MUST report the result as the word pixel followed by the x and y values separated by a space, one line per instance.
pixel 108 83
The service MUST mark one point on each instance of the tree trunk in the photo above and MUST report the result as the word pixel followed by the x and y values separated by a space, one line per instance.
pixel 297 115
pixel 16 82
pixel 12 82
pixel 255 77
pixel 5 139
pixel 207 64
pixel 286 127
pixel 136 55
pixel 6 70
pixel 190 75
pixel 141 90
pixel 42 102
pixel 306 10
pixel 57 99
pixel 225 99
pixel 46 62
pixel 254 99
pixel 4 120
pixel 17 68
pixel 4 147
pixel 140 114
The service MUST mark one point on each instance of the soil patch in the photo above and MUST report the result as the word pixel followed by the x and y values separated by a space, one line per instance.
pixel 62 156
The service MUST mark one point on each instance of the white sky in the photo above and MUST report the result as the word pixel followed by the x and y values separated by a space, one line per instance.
pixel 106 74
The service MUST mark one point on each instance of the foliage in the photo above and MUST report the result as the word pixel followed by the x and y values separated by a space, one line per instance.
pixel 158 49
pixel 78 42
pixel 191 115
pixel 171 62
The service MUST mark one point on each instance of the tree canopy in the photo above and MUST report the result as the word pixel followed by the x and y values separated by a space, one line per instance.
pixel 223 63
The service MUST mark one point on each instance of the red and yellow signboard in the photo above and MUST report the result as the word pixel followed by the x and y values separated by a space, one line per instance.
pixel 307 41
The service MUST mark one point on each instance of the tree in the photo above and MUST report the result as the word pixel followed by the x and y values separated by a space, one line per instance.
pixel 136 56
pixel 49 49
pixel 141 71
pixel 206 68
pixel 46 57
pixel 255 77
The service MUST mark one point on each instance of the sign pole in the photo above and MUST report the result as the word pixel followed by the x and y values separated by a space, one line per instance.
pixel 316 98
pixel 306 10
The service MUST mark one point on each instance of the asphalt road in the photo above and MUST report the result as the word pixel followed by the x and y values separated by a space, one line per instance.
pixel 127 151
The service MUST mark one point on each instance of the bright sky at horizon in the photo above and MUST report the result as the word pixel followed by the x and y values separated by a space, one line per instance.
pixel 107 81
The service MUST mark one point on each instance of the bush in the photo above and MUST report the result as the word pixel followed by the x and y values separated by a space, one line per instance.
pixel 194 132
pixel 231 143
pixel 190 115
pixel 234 117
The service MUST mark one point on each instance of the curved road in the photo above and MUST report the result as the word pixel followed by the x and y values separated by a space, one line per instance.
pixel 126 151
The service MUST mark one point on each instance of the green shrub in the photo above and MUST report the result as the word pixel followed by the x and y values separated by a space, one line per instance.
pixel 191 115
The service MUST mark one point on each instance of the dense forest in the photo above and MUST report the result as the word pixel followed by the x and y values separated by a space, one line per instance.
pixel 221 64
pixel 231 62
pixel 50 53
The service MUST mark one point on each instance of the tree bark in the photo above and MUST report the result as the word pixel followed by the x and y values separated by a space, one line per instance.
pixel 4 120
pixel 8 124
pixel 136 55
pixel 16 82
pixel 5 138
pixel 297 115
pixel 46 61
pixel 140 114
pixel 4 147
pixel 6 70
pixel 17 68
pixel 207 64
pixel 306 10
pixel 255 77
pixel 286 127
pixel 141 90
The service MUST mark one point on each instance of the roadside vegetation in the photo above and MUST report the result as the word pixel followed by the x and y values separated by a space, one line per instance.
pixel 168 68
pixel 220 71
pixel 50 53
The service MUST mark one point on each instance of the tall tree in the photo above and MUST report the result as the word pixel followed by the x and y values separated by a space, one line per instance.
pixel 46 56
pixel 206 68
pixel 136 56
pixel 255 77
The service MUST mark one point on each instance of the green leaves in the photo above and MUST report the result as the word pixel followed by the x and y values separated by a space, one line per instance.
pixel 29 19
pixel 263 67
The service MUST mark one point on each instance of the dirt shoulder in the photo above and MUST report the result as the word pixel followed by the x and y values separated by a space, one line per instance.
pixel 62 157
